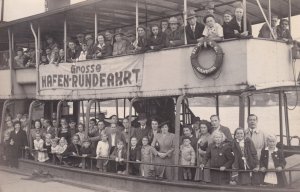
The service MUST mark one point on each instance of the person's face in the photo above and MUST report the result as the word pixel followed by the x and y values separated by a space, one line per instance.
pixel 75 140
pixel 48 51
pixel 210 21
pixel 80 128
pixel 49 40
pixel 141 32
pixel 203 129
pixel 192 21
pixel 274 21
pixel 164 25
pixel 187 131
pixel 65 126
pixel 55 50
pixel 101 125
pixel 80 38
pixel 284 25
pixel 186 142
pixel 218 139
pixel 71 45
pixel 9 123
pixel 19 53
pixel 165 129
pixel 37 125
pixel 104 138
pixel 143 122
pixel 62 142
pixel 100 39
pixel 239 135
pixel 155 30
pixel 54 144
pixel 17 126
pixel 72 125
pixel 180 20
pixel 239 13
pixel 118 38
pixel 113 128
pixel 86 144
pixel 252 122
pixel 62 54
pixel 38 137
pixel 215 122
pixel 19 116
pixel 173 26
pixel 92 123
pixel 209 11
pixel 114 119
pixel 84 47
pixel 44 58
pixel 120 145
pixel 271 143
pixel 145 141
pixel 125 123
pixel 47 139
pixel 89 42
pixel 154 125
pixel 133 141
pixel 54 123
pixel 227 18
pixel 108 36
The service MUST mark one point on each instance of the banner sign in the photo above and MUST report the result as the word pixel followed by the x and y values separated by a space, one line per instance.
pixel 93 74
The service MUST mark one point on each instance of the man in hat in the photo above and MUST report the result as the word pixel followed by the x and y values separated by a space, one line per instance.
pixel 193 29
pixel 141 131
pixel 176 36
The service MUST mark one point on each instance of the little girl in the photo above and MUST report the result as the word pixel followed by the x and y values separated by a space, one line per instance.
pixel 187 157
pixel 147 156
pixel 63 144
pixel 86 150
pixel 119 154
pixel 47 145
pixel 80 132
pixel 273 158
pixel 42 156
pixel 102 152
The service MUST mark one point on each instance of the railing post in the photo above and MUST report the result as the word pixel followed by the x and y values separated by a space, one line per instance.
pixel 180 99
pixel 280 117
pixel 10 61
pixel 185 18
pixel 249 104
pixel 96 26
pixel 88 108
pixel 286 116
pixel 65 38
pixel 136 18
pixel 217 105
pixel 245 15
pixel 290 16
pixel 241 111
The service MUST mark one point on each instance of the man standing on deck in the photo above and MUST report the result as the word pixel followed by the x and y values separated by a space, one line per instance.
pixel 143 130
pixel 193 29
pixel 265 30
pixel 259 139
pixel 215 123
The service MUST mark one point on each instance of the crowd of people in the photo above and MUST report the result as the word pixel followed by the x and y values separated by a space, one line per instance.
pixel 209 152
pixel 169 33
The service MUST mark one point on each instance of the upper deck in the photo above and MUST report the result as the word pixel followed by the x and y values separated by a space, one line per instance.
pixel 253 63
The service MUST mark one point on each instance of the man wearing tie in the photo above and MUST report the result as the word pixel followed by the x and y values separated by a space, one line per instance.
pixel 193 29
pixel 134 155
pixel 143 130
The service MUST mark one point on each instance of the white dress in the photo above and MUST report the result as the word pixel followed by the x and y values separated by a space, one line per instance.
pixel 271 177
pixel 42 156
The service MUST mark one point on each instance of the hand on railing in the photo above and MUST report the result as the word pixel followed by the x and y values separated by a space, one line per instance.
pixel 222 168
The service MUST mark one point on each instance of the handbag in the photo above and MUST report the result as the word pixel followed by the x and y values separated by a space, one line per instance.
pixel 156 146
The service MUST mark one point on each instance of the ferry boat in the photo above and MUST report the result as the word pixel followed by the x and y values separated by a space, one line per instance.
pixel 136 81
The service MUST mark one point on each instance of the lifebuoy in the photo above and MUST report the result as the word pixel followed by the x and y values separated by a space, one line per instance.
pixel 219 57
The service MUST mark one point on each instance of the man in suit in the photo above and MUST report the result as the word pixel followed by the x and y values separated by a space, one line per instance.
pixel 49 129
pixel 134 155
pixel 143 130
pixel 215 123
pixel 72 52
pixel 193 29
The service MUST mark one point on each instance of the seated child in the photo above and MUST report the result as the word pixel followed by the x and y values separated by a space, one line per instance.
pixel 187 157
pixel 119 155
pixel 41 155
pixel 102 152
pixel 134 155
pixel 273 158
pixel 62 147
pixel 147 157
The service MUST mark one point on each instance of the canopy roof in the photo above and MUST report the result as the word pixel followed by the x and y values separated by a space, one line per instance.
pixel 114 14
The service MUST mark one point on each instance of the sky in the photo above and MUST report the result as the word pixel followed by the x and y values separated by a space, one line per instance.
pixel 15 9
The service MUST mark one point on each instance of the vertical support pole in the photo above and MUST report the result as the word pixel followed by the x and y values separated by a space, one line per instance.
pixel 96 26
pixel 124 109
pixel 136 17
pixel 37 60
pixel 290 16
pixel 82 107
pixel 185 22
pixel 249 105
pixel 10 61
pixel 280 117
pixel 2 10
pixel 245 15
pixel 286 116
pixel 217 105
pixel 117 108
pixel 12 41
pixel 65 38
pixel 177 134
pixel 241 111
pixel 270 11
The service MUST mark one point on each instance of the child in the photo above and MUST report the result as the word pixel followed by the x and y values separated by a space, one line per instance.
pixel 147 157
pixel 134 155
pixel 54 149
pixel 47 145
pixel 19 59
pixel 187 157
pixel 119 155
pixel 80 132
pixel 273 158
pixel 42 156
pixel 218 155
pixel 63 144
pixel 83 53
pixel 44 60
pixel 65 132
pixel 245 156
pixel 86 151
pixel 102 152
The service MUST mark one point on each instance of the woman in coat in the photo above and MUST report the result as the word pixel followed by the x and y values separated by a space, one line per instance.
pixel 157 39
pixel 245 156
pixel 273 158
pixel 18 142
pixel 163 144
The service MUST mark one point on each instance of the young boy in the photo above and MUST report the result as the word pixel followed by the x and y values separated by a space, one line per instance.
pixel 134 155
pixel 102 152
pixel 187 157
pixel 119 155
pixel 86 151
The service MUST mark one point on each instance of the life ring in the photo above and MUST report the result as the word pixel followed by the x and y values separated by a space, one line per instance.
pixel 218 62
